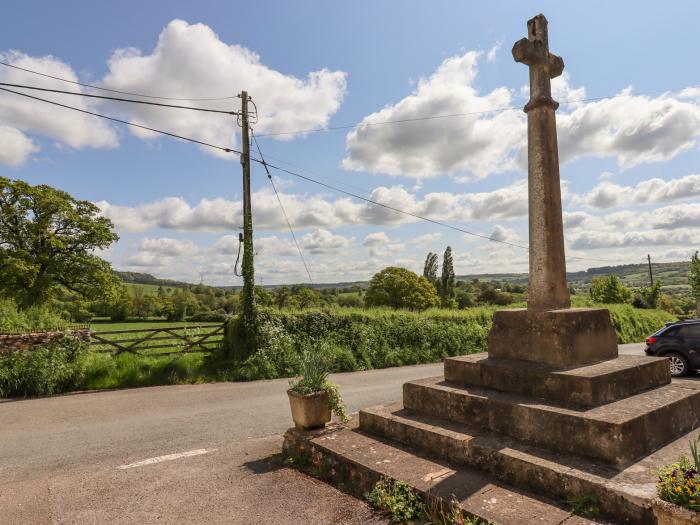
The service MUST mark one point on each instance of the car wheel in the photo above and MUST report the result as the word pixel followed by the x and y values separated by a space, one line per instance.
pixel 678 364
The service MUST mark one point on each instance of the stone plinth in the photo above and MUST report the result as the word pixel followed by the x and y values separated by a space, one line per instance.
pixel 583 386
pixel 615 434
pixel 560 338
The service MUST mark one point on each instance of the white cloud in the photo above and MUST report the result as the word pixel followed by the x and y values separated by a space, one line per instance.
pixel 324 242
pixel 596 240
pixel 633 129
pixel 167 246
pixel 426 238
pixel 608 195
pixel 317 211
pixel 491 53
pixel 379 244
pixel 15 147
pixel 20 115
pixel 190 60
pixel 429 148
pixel 504 234
pixel 375 239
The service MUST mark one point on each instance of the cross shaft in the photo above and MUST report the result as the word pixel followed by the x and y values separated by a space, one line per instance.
pixel 548 289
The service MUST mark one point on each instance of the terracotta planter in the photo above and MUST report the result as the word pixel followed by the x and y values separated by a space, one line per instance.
pixel 310 411
pixel 669 514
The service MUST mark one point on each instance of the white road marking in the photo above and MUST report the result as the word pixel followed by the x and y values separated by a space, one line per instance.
pixel 168 457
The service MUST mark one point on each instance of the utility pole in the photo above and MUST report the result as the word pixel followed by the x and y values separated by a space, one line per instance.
pixel 247 268
pixel 651 276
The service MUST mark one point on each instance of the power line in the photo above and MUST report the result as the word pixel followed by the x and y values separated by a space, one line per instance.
pixel 36 88
pixel 414 215
pixel 286 218
pixel 376 203
pixel 112 90
pixel 309 179
pixel 449 115
pixel 227 150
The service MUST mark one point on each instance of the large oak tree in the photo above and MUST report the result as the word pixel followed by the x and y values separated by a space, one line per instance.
pixel 47 241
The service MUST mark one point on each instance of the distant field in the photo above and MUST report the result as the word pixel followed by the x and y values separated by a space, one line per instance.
pixel 105 326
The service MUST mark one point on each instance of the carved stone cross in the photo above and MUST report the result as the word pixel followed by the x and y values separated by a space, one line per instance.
pixel 548 289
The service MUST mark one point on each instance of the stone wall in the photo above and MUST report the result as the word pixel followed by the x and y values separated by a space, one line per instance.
pixel 10 343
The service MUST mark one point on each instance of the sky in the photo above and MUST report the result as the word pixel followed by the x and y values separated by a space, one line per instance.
pixel 628 130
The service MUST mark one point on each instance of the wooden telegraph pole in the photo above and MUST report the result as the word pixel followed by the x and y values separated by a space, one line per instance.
pixel 651 275
pixel 247 268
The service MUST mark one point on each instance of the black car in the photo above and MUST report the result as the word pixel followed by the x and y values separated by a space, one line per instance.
pixel 680 342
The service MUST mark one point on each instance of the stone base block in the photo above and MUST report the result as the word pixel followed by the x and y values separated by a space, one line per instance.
pixel 354 461
pixel 560 338
pixel 615 434
pixel 584 386
pixel 623 495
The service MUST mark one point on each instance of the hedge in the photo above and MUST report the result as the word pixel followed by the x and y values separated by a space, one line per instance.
pixel 356 339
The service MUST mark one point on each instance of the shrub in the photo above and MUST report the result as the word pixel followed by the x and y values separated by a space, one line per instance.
pixel 633 325
pixel 609 290
pixel 37 318
pixel 47 370
pixel 401 288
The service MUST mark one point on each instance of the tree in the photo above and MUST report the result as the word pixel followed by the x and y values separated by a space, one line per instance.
pixel 47 241
pixel 447 280
pixel 430 268
pixel 694 281
pixel 400 288
pixel 609 290
pixel 307 298
pixel 648 297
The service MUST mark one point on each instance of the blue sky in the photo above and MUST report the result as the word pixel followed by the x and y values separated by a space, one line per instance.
pixel 629 164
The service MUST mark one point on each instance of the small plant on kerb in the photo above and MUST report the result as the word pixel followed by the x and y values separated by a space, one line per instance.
pixel 585 505
pixel 314 379
pixel 398 500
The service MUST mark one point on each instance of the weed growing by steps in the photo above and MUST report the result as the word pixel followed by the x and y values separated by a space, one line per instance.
pixel 398 500
pixel 405 505
pixel 585 505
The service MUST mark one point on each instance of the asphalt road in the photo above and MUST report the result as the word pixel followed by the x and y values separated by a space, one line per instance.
pixel 60 457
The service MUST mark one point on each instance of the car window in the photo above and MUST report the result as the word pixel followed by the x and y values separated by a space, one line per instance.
pixel 692 330
pixel 672 331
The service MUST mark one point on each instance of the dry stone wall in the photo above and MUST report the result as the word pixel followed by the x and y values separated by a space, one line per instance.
pixel 10 343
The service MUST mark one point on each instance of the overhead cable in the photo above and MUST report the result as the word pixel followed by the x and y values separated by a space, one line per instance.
pixel 449 115
pixel 36 88
pixel 222 148
pixel 286 218
pixel 91 86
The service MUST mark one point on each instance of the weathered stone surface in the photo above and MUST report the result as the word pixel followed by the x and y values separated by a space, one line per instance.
pixel 547 287
pixel 583 386
pixel 669 514
pixel 616 433
pixel 561 338
pixel 356 461
pixel 527 466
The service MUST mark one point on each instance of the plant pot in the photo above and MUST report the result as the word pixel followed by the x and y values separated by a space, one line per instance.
pixel 310 411
pixel 669 514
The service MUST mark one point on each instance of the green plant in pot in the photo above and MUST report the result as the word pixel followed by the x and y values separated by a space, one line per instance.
pixel 312 397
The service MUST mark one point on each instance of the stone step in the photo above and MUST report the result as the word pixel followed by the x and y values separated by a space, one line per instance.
pixel 621 494
pixel 355 461
pixel 587 386
pixel 616 433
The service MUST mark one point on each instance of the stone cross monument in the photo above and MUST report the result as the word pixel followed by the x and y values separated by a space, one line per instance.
pixel 548 332
pixel 548 289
